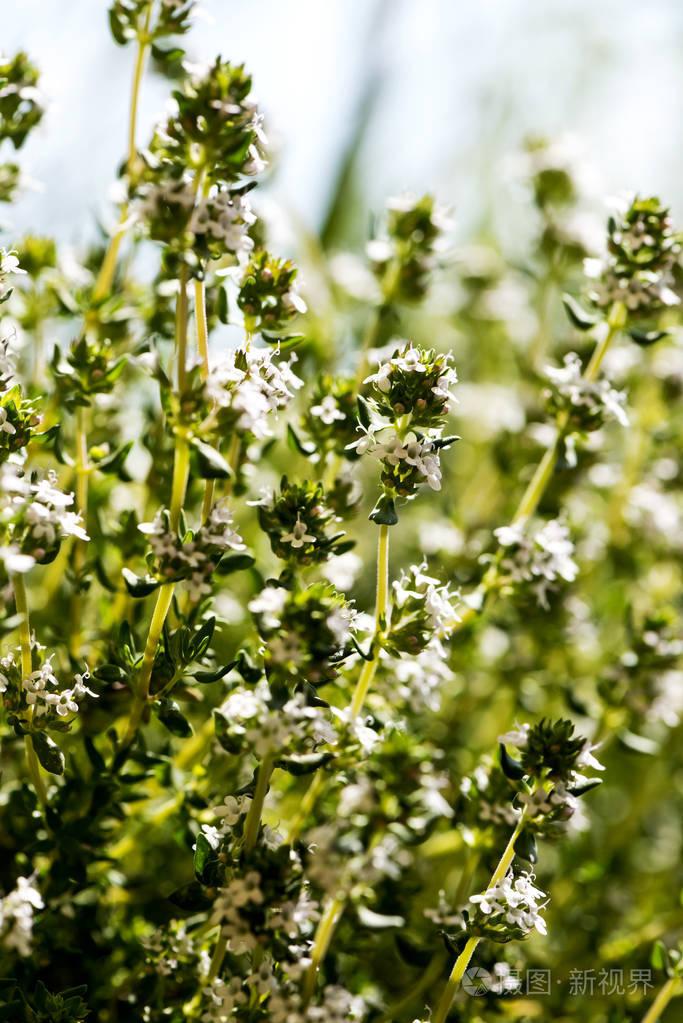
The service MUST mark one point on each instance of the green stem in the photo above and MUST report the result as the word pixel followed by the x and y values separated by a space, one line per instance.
pixel 667 992
pixel 253 821
pixel 81 506
pixel 367 674
pixel 21 604
pixel 463 960
pixel 181 468
pixel 541 478
pixel 217 958
pixel 106 275
pixel 323 936
pixel 138 71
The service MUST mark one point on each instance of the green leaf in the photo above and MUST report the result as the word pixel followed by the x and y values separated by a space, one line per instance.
pixel 577 314
pixel 384 513
pixel 210 462
pixel 206 677
pixel 304 448
pixel 114 463
pixel 230 563
pixel 139 585
pixel 48 753
pixel 645 338
pixel 203 855
pixel 659 957
pixel 304 763
pixel 525 847
pixel 202 639
pixel 222 310
pixel 172 718
pixel 511 768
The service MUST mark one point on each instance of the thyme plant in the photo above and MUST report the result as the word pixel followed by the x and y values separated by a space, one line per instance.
pixel 263 620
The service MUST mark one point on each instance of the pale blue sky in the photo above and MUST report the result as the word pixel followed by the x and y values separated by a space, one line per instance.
pixel 460 85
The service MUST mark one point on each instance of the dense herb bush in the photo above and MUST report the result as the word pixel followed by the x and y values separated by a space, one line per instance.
pixel 305 702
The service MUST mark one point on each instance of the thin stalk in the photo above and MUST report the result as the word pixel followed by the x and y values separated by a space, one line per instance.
pixel 138 71
pixel 82 507
pixel 253 821
pixel 217 958
pixel 21 604
pixel 463 960
pixel 541 478
pixel 204 367
pixel 323 936
pixel 365 678
pixel 381 601
pixel 666 993
pixel 106 275
pixel 181 469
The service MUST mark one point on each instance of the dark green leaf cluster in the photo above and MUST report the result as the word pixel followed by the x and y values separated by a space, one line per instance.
pixel 20 105
pixel 299 522
pixel 404 259
pixel 267 295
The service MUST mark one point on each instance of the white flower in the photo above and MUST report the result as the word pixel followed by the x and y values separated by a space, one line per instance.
pixel 328 410
pixel 231 809
pixel 5 425
pixel 16 916
pixel 343 570
pixel 298 536
pixel 14 561
pixel 516 900
pixel 270 603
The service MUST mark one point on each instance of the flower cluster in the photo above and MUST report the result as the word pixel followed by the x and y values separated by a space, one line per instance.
pixel 416 383
pixel 583 404
pixel 642 250
pixel 192 558
pixel 19 420
pixel 267 296
pixel 330 418
pixel 537 562
pixel 299 523
pixel 307 633
pixel 40 692
pixel 508 911
pixel 247 387
pixel 552 760
pixel 35 518
pixel 422 612
pixel 404 258
pixel 402 424
pixel 20 102
pixel 130 19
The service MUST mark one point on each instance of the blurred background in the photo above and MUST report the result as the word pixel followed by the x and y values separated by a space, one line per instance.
pixel 384 94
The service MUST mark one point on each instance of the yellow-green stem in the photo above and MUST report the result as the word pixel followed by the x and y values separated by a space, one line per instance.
pixel 544 471
pixel 672 987
pixel 138 71
pixel 217 958
pixel 367 674
pixel 202 327
pixel 326 928
pixel 82 507
pixel 161 608
pixel 21 603
pixel 463 960
pixel 253 821
pixel 108 268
